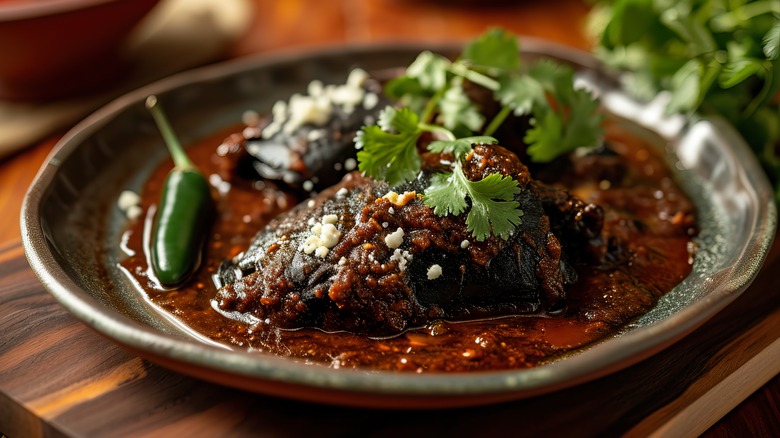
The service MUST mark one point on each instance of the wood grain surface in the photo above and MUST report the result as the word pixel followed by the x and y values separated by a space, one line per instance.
pixel 59 378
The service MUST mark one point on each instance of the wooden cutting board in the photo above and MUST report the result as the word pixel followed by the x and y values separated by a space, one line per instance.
pixel 58 377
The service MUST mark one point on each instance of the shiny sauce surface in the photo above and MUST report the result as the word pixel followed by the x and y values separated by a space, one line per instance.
pixel 646 208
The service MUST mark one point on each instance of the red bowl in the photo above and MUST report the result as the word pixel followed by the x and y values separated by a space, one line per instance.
pixel 57 48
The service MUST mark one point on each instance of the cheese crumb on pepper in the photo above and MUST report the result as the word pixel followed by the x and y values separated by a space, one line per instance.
pixel 324 236
pixel 395 239
pixel 434 272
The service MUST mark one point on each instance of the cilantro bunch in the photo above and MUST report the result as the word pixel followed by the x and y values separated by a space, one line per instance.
pixel 717 57
pixel 431 98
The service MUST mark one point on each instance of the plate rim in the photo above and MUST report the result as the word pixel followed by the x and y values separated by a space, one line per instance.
pixel 624 350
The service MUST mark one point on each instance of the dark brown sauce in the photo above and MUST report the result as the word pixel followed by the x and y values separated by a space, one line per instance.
pixel 649 210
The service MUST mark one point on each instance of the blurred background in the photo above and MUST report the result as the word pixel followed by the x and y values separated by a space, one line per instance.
pixel 60 59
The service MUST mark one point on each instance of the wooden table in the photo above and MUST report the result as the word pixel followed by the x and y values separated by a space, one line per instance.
pixel 57 377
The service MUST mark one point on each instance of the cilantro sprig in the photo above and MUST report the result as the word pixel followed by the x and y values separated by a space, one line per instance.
pixel 433 85
pixel 432 97
pixel 715 57
pixel 389 151
pixel 493 208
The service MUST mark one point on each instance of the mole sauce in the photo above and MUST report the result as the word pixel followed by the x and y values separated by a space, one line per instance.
pixel 643 206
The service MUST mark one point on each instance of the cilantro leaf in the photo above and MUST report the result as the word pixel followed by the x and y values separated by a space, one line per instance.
pixel 460 147
pixel 555 78
pixel 565 129
pixel 690 29
pixel 391 156
pixel 430 70
pixel 397 121
pixel 583 126
pixel 408 92
pixel 442 198
pixel 492 200
pixel 545 137
pixel 631 20
pixel 715 57
pixel 434 100
pixel 521 93
pixel 493 208
pixel 574 121
pixel 740 70
pixel 772 42
pixel 685 86
pixel 493 49
pixel 456 109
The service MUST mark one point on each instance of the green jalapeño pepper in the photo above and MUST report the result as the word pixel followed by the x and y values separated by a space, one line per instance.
pixel 183 216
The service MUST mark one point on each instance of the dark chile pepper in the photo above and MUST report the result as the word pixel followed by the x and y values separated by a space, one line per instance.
pixel 183 215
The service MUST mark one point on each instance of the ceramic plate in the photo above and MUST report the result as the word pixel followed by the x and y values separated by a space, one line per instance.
pixel 71 227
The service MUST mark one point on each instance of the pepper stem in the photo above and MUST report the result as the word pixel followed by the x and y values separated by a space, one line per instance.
pixel 180 158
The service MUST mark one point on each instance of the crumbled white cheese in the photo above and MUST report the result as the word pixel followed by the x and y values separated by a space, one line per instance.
pixel 315 134
pixel 434 272
pixel 370 101
pixel 324 236
pixel 315 88
pixel 279 111
pixel 305 110
pixel 250 132
pixel 130 203
pixel 127 199
pixel 310 244
pixel 342 261
pixel 222 186
pixel 385 224
pixel 342 192
pixel 133 212
pixel 316 107
pixel 311 203
pixel 465 244
pixel 357 77
pixel 271 130
pixel 395 239
pixel 330 235
pixel 402 257
pixel 391 210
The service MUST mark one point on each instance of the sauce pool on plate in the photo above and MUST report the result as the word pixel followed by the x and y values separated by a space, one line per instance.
pixel 642 205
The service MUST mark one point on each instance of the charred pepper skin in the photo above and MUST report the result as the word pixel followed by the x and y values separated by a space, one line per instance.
pixel 180 226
